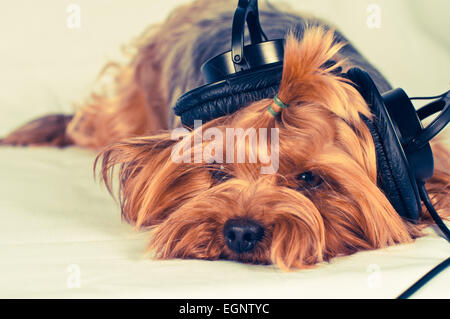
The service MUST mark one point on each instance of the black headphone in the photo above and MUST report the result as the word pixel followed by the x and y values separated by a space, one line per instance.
pixel 249 73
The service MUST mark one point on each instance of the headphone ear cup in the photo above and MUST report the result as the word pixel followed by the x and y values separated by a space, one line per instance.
pixel 221 98
pixel 395 177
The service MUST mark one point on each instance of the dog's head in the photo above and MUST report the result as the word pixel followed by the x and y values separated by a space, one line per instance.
pixel 294 189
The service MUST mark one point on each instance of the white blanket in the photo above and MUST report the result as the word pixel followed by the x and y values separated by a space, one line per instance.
pixel 61 235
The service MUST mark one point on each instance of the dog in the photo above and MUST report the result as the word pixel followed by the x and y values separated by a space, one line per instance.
pixel 321 202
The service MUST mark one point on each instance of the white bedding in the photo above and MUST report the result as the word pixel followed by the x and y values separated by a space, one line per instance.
pixel 61 235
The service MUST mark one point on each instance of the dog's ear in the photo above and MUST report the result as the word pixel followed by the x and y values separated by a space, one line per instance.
pixel 139 160
pixel 151 183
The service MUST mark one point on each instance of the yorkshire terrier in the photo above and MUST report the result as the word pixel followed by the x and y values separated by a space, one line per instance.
pixel 322 201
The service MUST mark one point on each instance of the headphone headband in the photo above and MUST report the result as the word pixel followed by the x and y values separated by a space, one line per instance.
pixel 435 127
pixel 244 58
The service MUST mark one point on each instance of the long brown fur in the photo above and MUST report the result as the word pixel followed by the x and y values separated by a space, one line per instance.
pixel 321 131
pixel 186 207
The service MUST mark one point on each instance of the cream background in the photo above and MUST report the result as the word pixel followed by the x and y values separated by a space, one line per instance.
pixel 53 214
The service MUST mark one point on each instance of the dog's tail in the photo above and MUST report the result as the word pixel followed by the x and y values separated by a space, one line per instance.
pixel 49 130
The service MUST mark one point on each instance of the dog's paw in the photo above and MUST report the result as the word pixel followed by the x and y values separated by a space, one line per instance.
pixel 45 131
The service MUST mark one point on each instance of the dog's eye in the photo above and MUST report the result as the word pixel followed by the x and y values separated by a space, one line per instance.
pixel 309 180
pixel 219 174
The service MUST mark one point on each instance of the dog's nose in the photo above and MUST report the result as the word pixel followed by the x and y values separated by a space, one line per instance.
pixel 241 235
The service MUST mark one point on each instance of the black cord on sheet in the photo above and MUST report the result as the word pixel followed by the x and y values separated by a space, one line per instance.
pixel 426 278
pixel 443 265
pixel 426 200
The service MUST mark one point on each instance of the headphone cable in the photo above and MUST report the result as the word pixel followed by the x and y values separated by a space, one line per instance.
pixel 443 265
pixel 426 278
pixel 427 97
pixel 426 200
